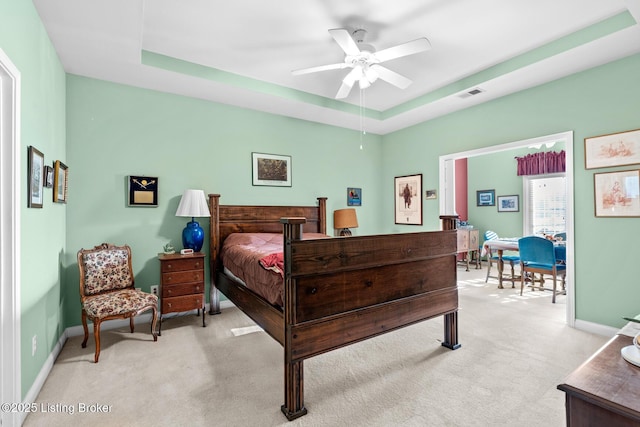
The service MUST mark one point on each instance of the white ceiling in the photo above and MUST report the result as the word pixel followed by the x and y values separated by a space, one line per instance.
pixel 242 52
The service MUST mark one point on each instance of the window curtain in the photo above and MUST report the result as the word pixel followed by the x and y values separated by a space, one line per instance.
pixel 541 163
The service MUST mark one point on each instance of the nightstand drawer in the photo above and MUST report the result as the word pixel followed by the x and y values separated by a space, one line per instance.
pixel 182 289
pixel 183 303
pixel 183 277
pixel 182 264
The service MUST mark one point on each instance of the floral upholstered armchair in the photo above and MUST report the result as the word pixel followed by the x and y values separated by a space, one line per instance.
pixel 107 290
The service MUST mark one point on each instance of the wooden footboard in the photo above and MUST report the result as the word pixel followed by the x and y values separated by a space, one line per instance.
pixel 344 290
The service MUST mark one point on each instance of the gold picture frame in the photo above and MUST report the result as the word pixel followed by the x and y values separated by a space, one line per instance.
pixel 60 182
pixel 617 194
pixel 615 149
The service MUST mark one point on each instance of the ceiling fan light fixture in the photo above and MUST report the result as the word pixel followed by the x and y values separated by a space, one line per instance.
pixel 364 83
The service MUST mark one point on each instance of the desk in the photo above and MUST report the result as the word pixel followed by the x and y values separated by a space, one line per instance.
pixel 511 244
pixel 604 390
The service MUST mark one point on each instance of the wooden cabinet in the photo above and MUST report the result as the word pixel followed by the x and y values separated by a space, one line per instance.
pixel 181 284
pixel 469 244
pixel 604 390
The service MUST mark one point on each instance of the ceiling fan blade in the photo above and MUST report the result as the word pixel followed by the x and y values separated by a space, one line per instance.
pixel 320 68
pixel 347 83
pixel 391 76
pixel 346 42
pixel 405 49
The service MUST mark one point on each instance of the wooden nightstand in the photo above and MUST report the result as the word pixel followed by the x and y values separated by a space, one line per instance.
pixel 182 284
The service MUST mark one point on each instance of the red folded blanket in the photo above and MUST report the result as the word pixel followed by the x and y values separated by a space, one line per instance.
pixel 273 262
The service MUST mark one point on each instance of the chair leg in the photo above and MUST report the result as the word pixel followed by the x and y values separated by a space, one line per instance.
pixel 96 335
pixel 488 270
pixel 513 276
pixel 86 330
pixel 521 281
pixel 131 324
pixel 154 318
pixel 553 297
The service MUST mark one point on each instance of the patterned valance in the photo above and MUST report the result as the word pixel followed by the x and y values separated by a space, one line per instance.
pixel 541 163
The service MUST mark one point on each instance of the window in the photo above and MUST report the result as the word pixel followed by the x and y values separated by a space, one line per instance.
pixel 545 204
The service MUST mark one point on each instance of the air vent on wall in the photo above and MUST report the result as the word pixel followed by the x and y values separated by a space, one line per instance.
pixel 472 92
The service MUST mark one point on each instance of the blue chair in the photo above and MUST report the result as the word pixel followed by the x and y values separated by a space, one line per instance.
pixel 491 258
pixel 560 236
pixel 537 255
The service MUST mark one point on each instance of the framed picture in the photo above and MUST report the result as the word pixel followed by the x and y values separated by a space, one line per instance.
pixel 35 179
pixel 509 203
pixel 354 196
pixel 431 194
pixel 408 199
pixel 60 182
pixel 143 191
pixel 271 169
pixel 486 198
pixel 616 149
pixel 617 194
pixel 48 176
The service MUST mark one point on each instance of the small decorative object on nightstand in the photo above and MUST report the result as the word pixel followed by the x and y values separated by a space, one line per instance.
pixel 181 284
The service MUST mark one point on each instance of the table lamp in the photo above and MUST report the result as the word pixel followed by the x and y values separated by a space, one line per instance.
pixel 193 204
pixel 344 219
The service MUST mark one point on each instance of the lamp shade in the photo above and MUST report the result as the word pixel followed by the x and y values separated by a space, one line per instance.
pixel 344 219
pixel 193 204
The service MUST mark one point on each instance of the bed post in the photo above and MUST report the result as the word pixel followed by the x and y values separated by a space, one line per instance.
pixel 293 406
pixel 450 319
pixel 214 250
pixel 322 215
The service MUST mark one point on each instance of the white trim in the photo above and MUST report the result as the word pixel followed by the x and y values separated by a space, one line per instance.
pixel 10 366
pixel 447 192
pixel 596 328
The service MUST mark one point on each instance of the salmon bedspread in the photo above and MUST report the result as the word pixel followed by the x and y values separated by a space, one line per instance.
pixel 257 260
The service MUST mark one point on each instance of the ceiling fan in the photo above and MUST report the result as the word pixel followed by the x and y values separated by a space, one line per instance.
pixel 365 61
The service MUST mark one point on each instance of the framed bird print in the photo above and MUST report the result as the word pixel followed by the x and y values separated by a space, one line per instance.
pixel 143 191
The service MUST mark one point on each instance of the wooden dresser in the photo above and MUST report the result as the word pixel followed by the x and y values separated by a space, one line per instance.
pixel 604 390
pixel 181 284
pixel 469 244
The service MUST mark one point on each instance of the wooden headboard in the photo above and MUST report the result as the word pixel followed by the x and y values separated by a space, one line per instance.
pixel 227 219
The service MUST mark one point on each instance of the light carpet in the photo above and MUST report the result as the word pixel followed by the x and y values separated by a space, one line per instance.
pixel 515 351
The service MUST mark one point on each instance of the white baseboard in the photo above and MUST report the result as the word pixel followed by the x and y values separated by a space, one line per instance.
pixel 596 328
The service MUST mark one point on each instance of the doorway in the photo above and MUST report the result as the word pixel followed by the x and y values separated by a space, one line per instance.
pixel 447 189
pixel 9 238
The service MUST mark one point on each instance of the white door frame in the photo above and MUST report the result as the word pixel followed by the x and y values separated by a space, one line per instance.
pixel 447 190
pixel 10 390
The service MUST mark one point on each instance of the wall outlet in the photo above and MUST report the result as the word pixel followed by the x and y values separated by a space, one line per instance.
pixel 34 345
pixel 154 289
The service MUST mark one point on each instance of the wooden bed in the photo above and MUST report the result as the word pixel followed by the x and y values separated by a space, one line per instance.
pixel 338 291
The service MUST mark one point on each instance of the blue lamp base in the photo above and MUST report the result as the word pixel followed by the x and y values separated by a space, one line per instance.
pixel 193 236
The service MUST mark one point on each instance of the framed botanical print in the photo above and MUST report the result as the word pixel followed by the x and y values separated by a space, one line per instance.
pixel 60 182
pixel 408 199
pixel 271 169
pixel 36 178
pixel 143 191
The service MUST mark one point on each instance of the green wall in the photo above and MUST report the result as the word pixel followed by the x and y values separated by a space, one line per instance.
pixel 105 132
pixel 115 131
pixel 497 171
pixel 43 232
pixel 602 100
